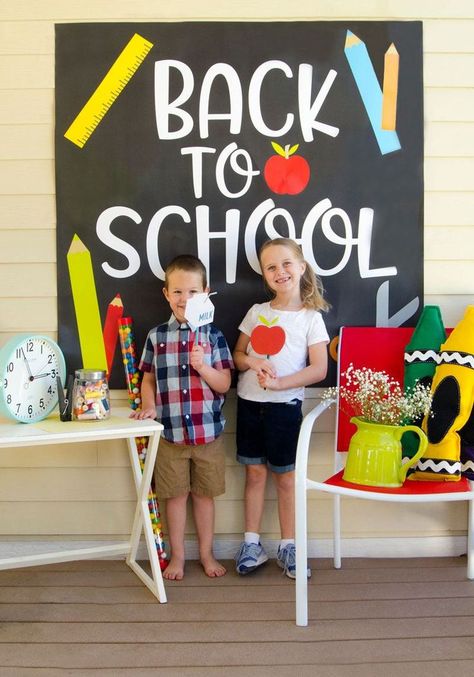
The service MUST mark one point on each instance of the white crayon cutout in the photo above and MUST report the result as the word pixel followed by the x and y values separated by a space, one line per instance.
pixel 199 311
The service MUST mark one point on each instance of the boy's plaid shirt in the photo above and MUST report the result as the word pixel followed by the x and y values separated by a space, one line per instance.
pixel 189 410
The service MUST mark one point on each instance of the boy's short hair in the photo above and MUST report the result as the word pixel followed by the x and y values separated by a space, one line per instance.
pixel 189 263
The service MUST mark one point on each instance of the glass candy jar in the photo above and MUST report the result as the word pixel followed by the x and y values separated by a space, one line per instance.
pixel 90 396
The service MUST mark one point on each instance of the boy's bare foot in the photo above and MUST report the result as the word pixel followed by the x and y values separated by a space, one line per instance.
pixel 212 567
pixel 175 570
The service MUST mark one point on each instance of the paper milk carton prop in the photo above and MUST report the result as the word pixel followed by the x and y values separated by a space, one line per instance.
pixel 199 311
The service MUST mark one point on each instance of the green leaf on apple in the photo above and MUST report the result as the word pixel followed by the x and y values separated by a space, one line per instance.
pixel 267 323
pixel 286 151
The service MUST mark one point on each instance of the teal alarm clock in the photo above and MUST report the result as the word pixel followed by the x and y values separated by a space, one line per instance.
pixel 29 367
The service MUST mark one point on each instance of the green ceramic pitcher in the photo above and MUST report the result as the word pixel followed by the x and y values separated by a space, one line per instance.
pixel 374 457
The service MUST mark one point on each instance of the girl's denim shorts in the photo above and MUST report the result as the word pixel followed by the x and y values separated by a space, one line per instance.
pixel 267 432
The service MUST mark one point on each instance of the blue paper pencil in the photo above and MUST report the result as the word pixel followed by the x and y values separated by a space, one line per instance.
pixel 370 91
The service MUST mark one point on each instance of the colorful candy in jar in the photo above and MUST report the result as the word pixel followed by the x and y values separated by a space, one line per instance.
pixel 130 361
pixel 133 379
pixel 90 399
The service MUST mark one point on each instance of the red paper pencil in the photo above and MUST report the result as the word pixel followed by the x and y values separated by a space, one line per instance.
pixel 114 313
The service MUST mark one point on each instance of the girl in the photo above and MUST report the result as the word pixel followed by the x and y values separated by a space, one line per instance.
pixel 282 347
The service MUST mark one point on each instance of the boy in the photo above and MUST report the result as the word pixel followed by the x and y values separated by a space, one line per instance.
pixel 183 386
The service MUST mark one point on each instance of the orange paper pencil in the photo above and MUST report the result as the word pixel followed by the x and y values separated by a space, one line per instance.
pixel 114 313
pixel 390 88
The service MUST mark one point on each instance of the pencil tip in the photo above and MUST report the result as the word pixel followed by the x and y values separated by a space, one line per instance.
pixel 76 244
pixel 351 39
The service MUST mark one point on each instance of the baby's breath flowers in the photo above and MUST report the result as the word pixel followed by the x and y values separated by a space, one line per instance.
pixel 378 398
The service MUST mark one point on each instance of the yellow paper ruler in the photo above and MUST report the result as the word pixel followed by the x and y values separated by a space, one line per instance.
pixel 127 62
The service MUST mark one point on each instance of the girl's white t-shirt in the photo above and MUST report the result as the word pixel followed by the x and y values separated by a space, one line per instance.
pixel 302 328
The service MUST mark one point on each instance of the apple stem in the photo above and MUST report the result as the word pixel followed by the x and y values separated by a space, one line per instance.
pixel 287 151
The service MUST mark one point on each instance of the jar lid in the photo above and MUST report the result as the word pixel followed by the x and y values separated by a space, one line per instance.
pixel 90 374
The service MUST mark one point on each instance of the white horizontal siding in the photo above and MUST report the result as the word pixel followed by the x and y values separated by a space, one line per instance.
pixel 123 10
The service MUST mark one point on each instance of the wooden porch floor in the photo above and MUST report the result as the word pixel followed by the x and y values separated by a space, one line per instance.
pixel 373 618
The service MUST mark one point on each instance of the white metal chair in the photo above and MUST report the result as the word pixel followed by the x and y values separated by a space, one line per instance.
pixel 356 346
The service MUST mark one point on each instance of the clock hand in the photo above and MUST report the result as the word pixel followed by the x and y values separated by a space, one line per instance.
pixel 30 375
pixel 42 375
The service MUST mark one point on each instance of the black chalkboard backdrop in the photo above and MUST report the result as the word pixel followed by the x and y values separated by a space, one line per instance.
pixel 139 174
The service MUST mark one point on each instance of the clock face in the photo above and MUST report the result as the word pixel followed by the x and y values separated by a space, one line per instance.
pixel 29 368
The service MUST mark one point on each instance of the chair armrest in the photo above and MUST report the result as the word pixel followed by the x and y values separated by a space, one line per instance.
pixel 302 450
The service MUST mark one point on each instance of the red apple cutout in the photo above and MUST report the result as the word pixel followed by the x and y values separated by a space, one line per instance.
pixel 267 339
pixel 286 173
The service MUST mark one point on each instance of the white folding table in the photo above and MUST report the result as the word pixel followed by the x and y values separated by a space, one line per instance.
pixel 118 426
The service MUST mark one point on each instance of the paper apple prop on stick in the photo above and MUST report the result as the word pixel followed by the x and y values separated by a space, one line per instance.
pixel 286 173
pixel 266 339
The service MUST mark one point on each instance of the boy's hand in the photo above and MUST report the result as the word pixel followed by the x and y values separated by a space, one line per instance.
pixel 149 412
pixel 197 357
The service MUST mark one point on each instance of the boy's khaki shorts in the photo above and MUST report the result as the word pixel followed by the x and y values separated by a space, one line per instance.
pixel 181 468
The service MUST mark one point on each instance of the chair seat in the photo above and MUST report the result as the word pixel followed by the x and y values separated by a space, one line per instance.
pixel 409 487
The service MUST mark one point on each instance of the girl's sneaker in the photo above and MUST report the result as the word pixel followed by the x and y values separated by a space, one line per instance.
pixel 286 560
pixel 249 557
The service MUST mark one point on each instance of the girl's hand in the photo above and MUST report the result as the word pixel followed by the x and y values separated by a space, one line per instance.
pixel 261 366
pixel 268 381
pixel 149 412
pixel 197 357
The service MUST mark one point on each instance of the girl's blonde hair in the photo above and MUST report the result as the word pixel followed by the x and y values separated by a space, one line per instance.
pixel 311 288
